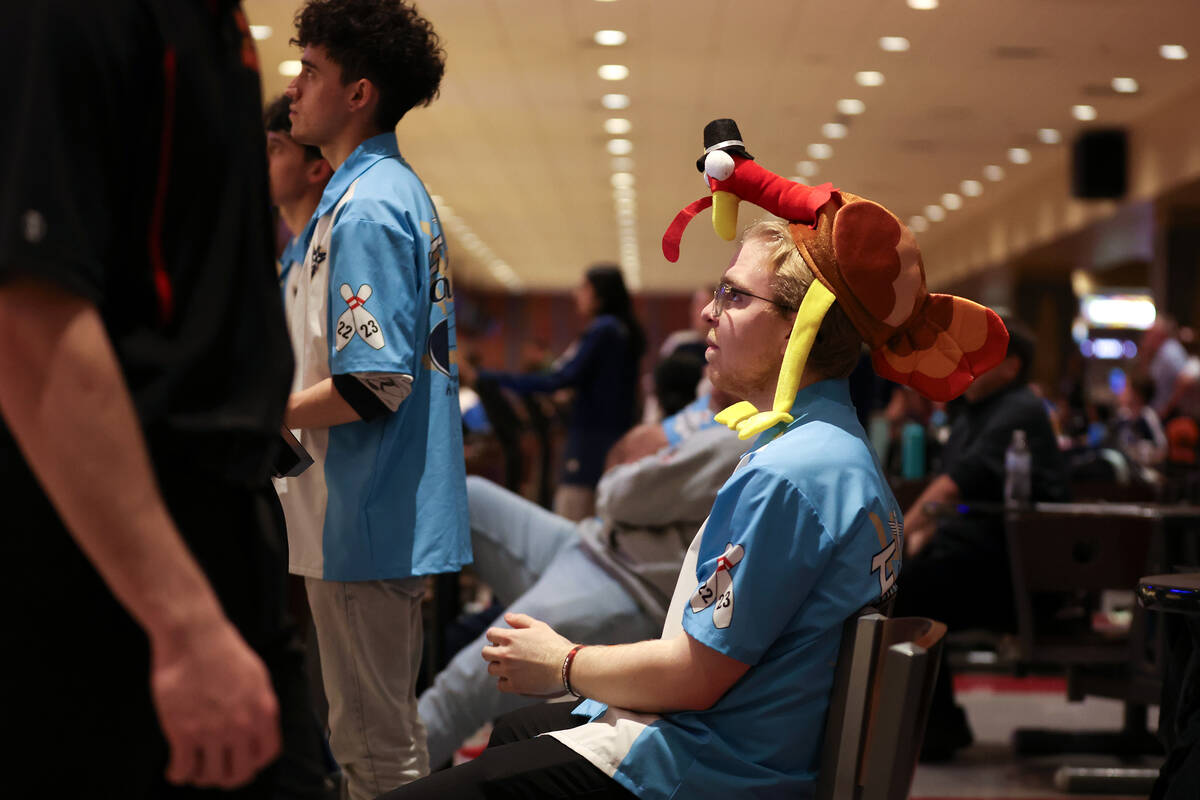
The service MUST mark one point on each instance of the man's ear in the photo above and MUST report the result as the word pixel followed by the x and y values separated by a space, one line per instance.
pixel 363 94
pixel 318 170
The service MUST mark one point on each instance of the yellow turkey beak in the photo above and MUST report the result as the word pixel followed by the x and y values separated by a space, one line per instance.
pixel 725 207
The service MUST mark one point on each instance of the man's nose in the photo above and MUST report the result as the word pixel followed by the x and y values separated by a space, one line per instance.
pixel 708 313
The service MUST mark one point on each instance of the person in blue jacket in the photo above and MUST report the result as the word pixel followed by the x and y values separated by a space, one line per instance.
pixel 602 367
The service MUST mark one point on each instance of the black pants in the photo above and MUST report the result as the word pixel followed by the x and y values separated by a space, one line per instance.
pixel 77 704
pixel 963 586
pixel 519 764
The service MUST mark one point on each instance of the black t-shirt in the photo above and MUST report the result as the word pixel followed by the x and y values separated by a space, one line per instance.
pixel 135 176
pixel 974 457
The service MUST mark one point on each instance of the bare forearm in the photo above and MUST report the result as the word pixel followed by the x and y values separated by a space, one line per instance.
pixel 920 521
pixel 318 406
pixel 66 403
pixel 649 676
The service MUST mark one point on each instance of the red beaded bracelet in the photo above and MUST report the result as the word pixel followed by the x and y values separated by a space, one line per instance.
pixel 566 670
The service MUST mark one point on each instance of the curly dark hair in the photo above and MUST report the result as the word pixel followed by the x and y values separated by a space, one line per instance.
pixel 385 41
pixel 276 120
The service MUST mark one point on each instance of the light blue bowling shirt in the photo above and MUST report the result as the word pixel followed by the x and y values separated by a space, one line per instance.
pixel 802 535
pixel 386 497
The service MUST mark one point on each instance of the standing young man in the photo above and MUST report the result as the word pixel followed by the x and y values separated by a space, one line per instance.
pixel 375 392
pixel 298 176
pixel 145 369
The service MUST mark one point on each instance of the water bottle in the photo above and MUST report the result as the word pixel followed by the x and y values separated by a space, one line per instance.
pixel 1018 471
pixel 912 451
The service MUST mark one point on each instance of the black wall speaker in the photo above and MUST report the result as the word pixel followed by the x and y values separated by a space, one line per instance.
pixel 1099 164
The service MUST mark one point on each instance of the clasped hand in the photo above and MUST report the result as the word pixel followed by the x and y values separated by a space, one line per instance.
pixel 526 658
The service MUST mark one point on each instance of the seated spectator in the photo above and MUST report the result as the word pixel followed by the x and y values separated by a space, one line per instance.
pixel 607 579
pixel 602 367
pixel 1138 432
pixel 734 694
pixel 957 569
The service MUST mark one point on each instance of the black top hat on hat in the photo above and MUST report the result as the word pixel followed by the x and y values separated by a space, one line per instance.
pixel 722 134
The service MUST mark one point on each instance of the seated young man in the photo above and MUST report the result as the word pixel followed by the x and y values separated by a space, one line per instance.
pixel 606 579
pixel 731 699
pixel 734 693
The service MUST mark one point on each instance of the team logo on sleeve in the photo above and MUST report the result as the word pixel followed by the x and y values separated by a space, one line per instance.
pixel 356 320
pixel 886 563
pixel 718 589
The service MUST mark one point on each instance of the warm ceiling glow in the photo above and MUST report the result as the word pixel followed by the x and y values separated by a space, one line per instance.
pixel 260 32
pixel 807 169
pixel 617 126
pixel 918 224
pixel 993 173
pixel 820 150
pixel 951 201
pixel 1049 136
pixel 290 68
pixel 615 102
pixel 894 44
pixel 869 78
pixel 613 72
pixel 609 38
pixel 620 147
pixel 923 5
pixel 1083 113
pixel 621 164
pixel 971 188
pixel 1125 85
pixel 833 130
pixel 935 213
pixel 1019 155
pixel 622 180
pixel 850 106
pixel 1173 52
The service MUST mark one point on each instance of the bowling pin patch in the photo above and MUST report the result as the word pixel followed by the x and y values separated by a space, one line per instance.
pixel 356 320
pixel 718 589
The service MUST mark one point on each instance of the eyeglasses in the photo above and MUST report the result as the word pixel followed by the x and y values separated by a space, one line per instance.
pixel 725 293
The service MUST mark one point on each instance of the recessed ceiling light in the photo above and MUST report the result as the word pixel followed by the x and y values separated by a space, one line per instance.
pixel 617 126
pixel 1125 85
pixel 620 147
pixel 1049 136
pixel 1083 113
pixel 869 78
pixel 807 169
pixel 993 173
pixel 1019 155
pixel 833 130
pixel 951 201
pixel 1173 52
pixel 923 5
pixel 935 213
pixel 615 102
pixel 260 32
pixel 290 68
pixel 622 180
pixel 971 188
pixel 613 72
pixel 894 44
pixel 850 106
pixel 820 150
pixel 609 38
pixel 918 224
pixel 622 164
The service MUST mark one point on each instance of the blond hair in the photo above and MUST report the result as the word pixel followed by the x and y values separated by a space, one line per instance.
pixel 838 345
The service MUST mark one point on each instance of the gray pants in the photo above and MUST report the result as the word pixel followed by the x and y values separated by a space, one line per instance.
pixel 532 559
pixel 369 639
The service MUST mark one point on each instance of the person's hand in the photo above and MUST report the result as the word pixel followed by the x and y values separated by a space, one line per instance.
pixel 527 658
pixel 216 706
pixel 915 541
